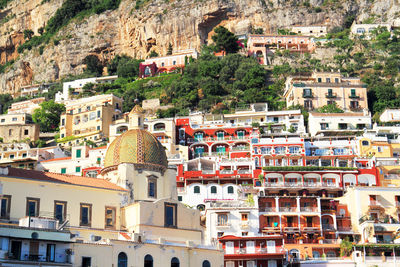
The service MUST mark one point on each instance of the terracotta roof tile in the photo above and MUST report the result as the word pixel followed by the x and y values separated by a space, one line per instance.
pixel 63 179
pixel 48 160
pixel 337 114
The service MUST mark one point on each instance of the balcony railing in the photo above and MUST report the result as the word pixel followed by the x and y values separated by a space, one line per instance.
pixel 269 209
pixel 287 209
pixel 223 224
pixel 308 95
pixel 344 229
pixel 332 95
pixel 374 203
pixel 273 184
pixel 354 96
pixel 328 227
pixel 292 184
pixel 308 209
pixel 239 148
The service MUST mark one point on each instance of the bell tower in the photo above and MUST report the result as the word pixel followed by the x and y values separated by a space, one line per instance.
pixel 136 117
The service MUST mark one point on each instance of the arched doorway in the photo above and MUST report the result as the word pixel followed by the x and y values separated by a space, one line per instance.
pixel 122 260
pixel 174 262
pixel 148 261
pixel 206 263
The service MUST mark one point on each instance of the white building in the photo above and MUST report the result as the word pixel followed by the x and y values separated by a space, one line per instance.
pixel 366 29
pixel 390 115
pixel 238 218
pixel 327 123
pixel 177 59
pixel 77 85
pixel 83 161
pixel 311 30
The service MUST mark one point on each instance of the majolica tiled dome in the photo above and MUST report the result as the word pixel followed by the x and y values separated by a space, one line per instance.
pixel 136 146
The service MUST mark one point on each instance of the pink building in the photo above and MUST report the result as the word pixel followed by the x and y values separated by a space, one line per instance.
pixel 260 45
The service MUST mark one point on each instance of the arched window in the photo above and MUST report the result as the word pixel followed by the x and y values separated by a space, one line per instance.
pixel 230 189
pixel 201 207
pixel 122 260
pixel 206 263
pixel 213 189
pixel 148 261
pixel 365 143
pixel 196 189
pixel 174 262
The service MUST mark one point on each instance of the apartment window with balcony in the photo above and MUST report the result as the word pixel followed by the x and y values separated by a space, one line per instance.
pixel 170 215
pixel 265 150
pixel 32 207
pixel 330 93
pixel 353 104
pixel 324 126
pixel 60 210
pixel 220 135
pixel 110 213
pixel 199 151
pixel 198 136
pixel 5 207
pixel 85 214
pixel 280 150
pixel 222 219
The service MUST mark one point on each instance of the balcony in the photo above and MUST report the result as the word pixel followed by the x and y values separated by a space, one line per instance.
pixel 223 225
pixel 374 204
pixel 308 95
pixel 311 229
pixel 240 148
pixel 273 184
pixel 328 227
pixel 308 209
pixel 291 229
pixel 354 96
pixel 268 209
pixel 288 209
pixel 293 184
pixel 344 229
pixel 271 228
pixel 331 95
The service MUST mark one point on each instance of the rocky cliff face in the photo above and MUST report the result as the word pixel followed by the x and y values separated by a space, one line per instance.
pixel 183 23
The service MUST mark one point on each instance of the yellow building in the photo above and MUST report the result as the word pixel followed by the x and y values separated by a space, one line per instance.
pixel 386 153
pixel 374 212
pixel 130 216
pixel 322 88
pixel 89 118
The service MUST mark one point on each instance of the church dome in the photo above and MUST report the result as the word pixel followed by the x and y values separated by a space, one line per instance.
pixel 136 146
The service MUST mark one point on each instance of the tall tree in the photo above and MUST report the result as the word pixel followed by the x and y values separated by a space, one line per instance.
pixel 225 40
pixel 48 116
pixel 169 51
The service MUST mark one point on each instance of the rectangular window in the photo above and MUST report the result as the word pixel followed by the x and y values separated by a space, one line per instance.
pixel 320 80
pixel 324 126
pixel 308 104
pixel 32 207
pixel 170 210
pixel 98 113
pixel 77 169
pixel 336 80
pixel 3 120
pixel 328 80
pixel 222 219
pixel 110 217
pixel 98 128
pixel 24 155
pixel 62 122
pixel 92 115
pixel 86 215
pixel 60 210
pixel 152 188
pixel 78 153
pixel 245 216
pixel 14 119
pixel 63 170
pixel 307 93
pixel 51 252
pixel 26 132
pixel 353 92
pixel 5 207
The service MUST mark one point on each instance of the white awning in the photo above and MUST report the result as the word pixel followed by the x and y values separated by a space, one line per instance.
pixel 367 179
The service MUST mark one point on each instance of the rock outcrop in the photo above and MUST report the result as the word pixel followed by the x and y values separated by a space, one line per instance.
pixel 135 32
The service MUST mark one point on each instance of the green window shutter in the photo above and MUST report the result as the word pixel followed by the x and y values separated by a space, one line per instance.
pixel 63 170
pixel 78 153
pixel 77 169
